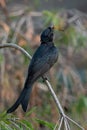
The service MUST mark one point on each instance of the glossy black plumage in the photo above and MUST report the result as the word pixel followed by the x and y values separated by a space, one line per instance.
pixel 43 59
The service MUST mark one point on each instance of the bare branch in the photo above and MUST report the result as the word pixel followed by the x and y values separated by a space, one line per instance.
pixel 11 45
pixel 55 97
pixel 75 123
pixel 61 122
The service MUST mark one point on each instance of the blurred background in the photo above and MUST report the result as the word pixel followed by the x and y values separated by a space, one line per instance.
pixel 21 23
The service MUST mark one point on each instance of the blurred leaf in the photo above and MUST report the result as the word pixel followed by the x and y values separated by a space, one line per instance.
pixel 1 58
pixel 5 126
pixel 81 104
pixel 31 111
pixel 48 17
pixel 27 124
pixel 81 40
pixel 45 123
pixel 53 18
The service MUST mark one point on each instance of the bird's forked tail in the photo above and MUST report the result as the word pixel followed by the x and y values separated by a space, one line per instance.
pixel 23 99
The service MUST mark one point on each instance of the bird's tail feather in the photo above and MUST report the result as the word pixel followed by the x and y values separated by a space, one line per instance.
pixel 23 99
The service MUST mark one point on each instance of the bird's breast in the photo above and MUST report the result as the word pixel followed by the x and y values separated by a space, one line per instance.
pixel 53 55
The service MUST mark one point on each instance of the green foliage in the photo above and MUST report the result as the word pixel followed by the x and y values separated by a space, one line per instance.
pixel 11 122
pixel 26 124
pixel 71 36
pixel 51 18
pixel 30 112
pixel 45 123
pixel 81 104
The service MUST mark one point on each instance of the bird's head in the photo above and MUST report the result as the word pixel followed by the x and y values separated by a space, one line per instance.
pixel 47 35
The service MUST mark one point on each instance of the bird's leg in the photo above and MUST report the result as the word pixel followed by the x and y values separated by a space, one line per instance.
pixel 44 77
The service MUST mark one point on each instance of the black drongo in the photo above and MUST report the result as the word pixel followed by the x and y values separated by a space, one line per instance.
pixel 43 59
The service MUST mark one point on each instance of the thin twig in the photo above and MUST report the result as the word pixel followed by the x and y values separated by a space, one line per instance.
pixel 4 40
pixel 73 19
pixel 60 125
pixel 18 28
pixel 55 97
pixel 11 45
pixel 56 125
pixel 75 123
pixel 65 123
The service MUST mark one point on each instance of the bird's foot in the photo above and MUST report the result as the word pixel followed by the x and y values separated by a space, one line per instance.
pixel 44 78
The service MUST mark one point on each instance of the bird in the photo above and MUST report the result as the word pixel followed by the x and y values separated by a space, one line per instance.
pixel 43 59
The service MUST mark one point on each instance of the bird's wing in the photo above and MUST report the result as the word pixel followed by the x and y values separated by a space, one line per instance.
pixel 39 65
pixel 41 62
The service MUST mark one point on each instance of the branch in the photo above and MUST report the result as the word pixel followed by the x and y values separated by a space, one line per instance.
pixel 11 45
pixel 63 116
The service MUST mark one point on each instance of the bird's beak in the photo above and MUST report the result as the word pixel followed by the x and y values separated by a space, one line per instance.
pixel 60 27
